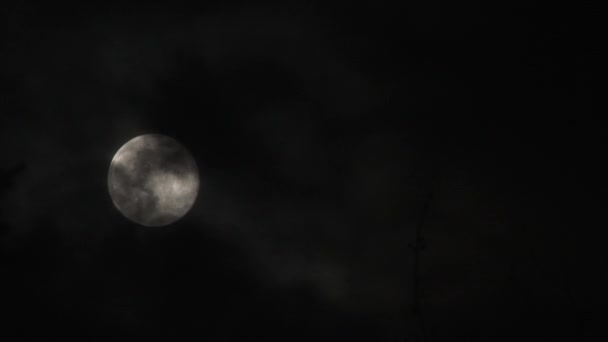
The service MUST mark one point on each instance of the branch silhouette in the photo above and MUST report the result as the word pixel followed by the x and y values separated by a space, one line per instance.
pixel 418 246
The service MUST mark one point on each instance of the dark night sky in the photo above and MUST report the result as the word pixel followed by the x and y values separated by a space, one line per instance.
pixel 322 131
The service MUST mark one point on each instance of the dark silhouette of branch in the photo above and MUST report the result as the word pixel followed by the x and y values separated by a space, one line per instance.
pixel 418 246
pixel 8 176
pixel 579 316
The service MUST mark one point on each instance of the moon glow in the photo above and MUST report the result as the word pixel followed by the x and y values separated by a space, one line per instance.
pixel 153 180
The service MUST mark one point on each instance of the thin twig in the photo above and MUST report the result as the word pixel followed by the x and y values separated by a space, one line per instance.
pixel 418 246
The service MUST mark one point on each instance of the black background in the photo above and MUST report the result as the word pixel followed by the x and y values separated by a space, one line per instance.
pixel 327 135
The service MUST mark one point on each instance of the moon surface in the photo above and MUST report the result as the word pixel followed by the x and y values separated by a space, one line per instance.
pixel 153 180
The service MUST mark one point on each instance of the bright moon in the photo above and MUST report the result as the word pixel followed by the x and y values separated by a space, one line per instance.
pixel 153 180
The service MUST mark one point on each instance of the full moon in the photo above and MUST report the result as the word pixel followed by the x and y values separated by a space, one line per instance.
pixel 153 180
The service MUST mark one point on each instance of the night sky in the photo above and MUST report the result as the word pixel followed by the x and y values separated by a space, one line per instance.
pixel 391 171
